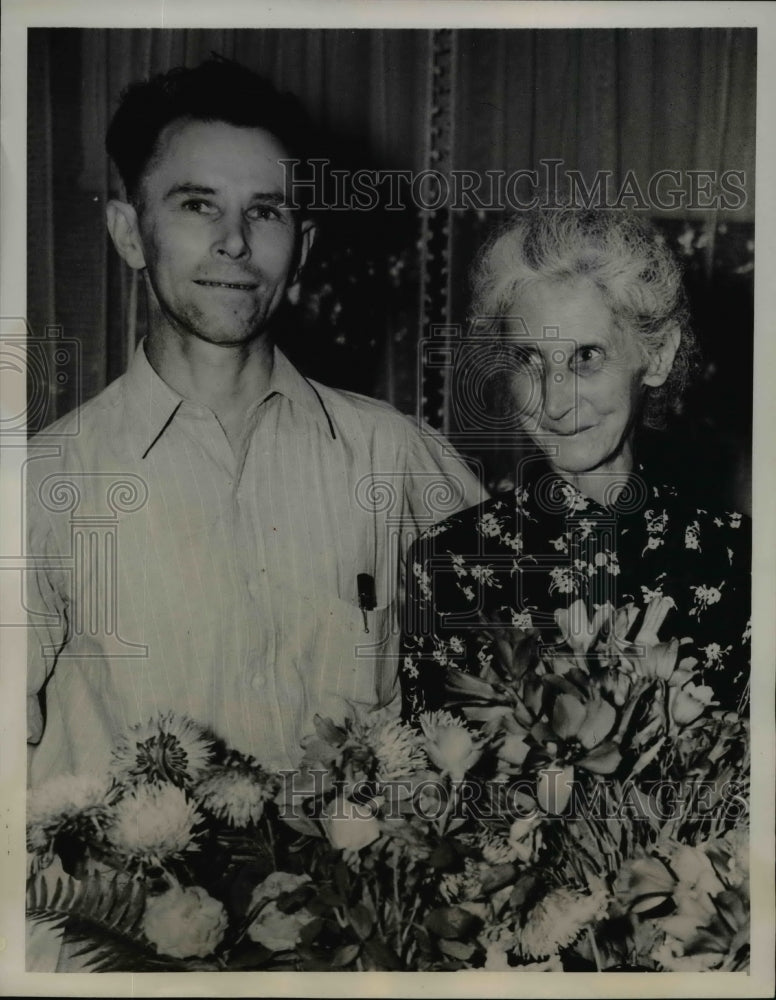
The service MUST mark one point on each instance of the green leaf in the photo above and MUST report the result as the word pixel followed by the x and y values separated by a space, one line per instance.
pixel 303 825
pixel 345 955
pixel 463 687
pixel 329 897
pixel 444 856
pixel 102 918
pixel 383 957
pixel 328 731
pixel 361 920
pixel 603 760
pixel 342 879
pixel 250 955
pixel 453 922
pixel 568 714
pixel 497 876
pixel 311 930
pixel 457 949
pixel 523 889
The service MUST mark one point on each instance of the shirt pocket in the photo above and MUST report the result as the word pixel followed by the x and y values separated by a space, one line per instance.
pixel 357 655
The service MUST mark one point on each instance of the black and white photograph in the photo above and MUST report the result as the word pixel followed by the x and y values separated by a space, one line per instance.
pixel 388 559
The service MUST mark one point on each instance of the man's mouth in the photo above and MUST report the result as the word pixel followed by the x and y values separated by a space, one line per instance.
pixel 240 286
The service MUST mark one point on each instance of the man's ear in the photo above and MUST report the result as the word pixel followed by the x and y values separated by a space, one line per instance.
pixel 307 234
pixel 123 228
pixel 662 360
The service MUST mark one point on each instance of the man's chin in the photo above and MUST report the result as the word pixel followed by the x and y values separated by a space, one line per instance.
pixel 231 337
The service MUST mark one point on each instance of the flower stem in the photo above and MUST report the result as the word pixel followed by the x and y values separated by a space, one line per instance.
pixel 594 949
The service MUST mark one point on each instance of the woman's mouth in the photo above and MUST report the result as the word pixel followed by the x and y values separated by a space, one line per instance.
pixel 565 434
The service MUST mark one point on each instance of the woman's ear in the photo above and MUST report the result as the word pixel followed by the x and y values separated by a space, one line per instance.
pixel 123 228
pixel 662 360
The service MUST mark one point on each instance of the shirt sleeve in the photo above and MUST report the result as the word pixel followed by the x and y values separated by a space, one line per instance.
pixel 438 482
pixel 47 606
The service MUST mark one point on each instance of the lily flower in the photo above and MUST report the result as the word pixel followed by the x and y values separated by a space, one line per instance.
pixel 578 631
pixel 688 703
pixel 654 616
pixel 588 722
pixel 553 788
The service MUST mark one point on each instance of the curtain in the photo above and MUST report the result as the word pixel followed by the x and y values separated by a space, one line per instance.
pixel 477 100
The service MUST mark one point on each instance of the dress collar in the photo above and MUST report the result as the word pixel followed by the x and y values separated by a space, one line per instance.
pixel 556 495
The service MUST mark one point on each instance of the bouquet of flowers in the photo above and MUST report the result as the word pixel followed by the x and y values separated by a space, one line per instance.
pixel 576 807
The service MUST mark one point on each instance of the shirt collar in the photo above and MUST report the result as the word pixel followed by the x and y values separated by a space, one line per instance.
pixel 154 404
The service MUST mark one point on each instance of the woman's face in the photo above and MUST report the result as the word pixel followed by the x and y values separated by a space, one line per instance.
pixel 579 381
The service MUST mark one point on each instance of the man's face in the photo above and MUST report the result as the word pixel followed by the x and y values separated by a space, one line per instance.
pixel 218 248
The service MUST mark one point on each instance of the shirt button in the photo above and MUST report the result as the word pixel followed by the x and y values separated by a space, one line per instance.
pixel 259 681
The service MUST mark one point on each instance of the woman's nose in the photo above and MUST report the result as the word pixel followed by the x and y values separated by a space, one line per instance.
pixel 559 393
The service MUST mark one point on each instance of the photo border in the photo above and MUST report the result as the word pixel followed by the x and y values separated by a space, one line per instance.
pixel 17 17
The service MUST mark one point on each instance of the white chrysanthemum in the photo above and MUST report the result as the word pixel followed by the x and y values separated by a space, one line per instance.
pixel 459 887
pixel 451 886
pixel 497 851
pixel 397 748
pixel 64 796
pixel 153 823
pixel 169 748
pixel 432 721
pixel 56 803
pixel 236 794
pixel 557 921
pixel 450 744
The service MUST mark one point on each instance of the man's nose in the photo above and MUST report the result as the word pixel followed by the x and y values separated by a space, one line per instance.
pixel 559 393
pixel 233 240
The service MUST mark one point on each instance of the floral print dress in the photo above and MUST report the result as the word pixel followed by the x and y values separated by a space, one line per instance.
pixel 516 559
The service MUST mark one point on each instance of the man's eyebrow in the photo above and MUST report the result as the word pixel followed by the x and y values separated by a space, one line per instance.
pixel 187 188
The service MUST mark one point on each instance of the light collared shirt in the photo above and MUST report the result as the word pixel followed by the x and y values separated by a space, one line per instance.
pixel 168 574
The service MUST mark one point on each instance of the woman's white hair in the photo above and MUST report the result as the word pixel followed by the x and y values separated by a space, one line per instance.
pixel 621 253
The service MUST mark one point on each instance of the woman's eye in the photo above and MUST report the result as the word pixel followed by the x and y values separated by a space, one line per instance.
pixel 586 360
pixel 527 361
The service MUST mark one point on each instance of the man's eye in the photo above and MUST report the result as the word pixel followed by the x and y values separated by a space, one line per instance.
pixel 199 207
pixel 587 360
pixel 263 213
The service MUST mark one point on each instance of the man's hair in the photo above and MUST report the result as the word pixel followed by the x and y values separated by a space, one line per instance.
pixel 625 258
pixel 216 90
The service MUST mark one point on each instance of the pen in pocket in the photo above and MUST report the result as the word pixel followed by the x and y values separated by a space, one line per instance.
pixel 366 595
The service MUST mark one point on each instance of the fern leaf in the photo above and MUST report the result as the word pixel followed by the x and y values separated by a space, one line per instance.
pixel 102 919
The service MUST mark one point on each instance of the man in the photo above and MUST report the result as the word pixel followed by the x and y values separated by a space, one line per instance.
pixel 215 534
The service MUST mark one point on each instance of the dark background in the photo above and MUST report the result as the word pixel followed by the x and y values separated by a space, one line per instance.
pixel 617 100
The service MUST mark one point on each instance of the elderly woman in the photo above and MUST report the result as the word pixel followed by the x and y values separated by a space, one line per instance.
pixel 591 344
